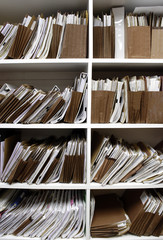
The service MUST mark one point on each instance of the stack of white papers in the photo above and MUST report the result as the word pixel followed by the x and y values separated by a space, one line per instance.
pixel 43 214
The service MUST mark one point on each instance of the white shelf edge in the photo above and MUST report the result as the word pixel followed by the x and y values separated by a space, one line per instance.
pixel 44 126
pixel 12 237
pixel 127 60
pixel 130 237
pixel 126 125
pixel 78 126
pixel 132 185
pixel 48 186
pixel 43 61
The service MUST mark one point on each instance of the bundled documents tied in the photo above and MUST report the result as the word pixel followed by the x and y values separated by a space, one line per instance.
pixel 42 214
pixel 114 161
pixel 62 36
pixel 109 217
pixel 44 161
pixel 27 104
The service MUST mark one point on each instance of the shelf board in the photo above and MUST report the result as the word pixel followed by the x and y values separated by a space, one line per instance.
pixel 130 237
pixel 127 60
pixel 126 125
pixel 43 64
pixel 12 237
pixel 44 186
pixel 43 126
pixel 132 185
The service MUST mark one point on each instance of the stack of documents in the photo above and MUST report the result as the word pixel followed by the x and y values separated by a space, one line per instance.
pixel 62 36
pixel 44 161
pixel 27 104
pixel 115 160
pixel 136 99
pixel 145 210
pixel 109 217
pixel 103 36
pixel 109 101
pixel 108 34
pixel 42 214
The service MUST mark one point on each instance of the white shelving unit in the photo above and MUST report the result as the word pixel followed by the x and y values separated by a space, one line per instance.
pixel 45 73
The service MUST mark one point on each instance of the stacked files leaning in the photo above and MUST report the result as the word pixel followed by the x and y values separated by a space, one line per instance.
pixel 115 160
pixel 47 160
pixel 42 214
pixel 109 217
pixel 42 37
pixel 27 104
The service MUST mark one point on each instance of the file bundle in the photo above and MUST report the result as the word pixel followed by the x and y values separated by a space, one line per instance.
pixel 136 99
pixel 109 217
pixel 62 36
pixel 144 208
pixel 103 36
pixel 27 104
pixel 144 33
pixel 43 214
pixel 44 161
pixel 115 160
pixel 108 34
pixel 137 34
pixel 139 212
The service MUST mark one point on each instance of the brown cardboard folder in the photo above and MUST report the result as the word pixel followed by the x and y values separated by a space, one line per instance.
pixel 138 42
pixel 108 214
pixel 103 42
pixel 102 104
pixel 154 107
pixel 21 40
pixel 136 109
pixel 55 41
pixel 75 41
pixel 157 43
pixel 73 107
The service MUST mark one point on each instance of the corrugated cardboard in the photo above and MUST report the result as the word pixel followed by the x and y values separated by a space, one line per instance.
pixel 55 41
pixel 138 42
pixel 136 112
pixel 73 107
pixel 21 40
pixel 157 43
pixel 98 42
pixel 103 42
pixel 154 107
pixel 102 104
pixel 75 41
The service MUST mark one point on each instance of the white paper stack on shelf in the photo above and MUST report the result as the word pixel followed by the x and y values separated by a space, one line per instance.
pixel 27 104
pixel 43 214
pixel 44 161
pixel 114 160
